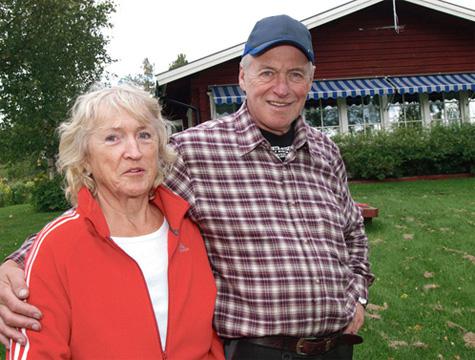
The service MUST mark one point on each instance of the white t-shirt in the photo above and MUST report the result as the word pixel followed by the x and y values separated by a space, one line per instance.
pixel 150 251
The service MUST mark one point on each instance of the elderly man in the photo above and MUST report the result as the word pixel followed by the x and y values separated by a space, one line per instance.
pixel 269 192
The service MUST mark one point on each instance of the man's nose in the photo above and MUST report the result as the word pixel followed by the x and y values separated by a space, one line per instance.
pixel 281 87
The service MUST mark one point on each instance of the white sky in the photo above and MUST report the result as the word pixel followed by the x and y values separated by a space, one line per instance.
pixel 160 30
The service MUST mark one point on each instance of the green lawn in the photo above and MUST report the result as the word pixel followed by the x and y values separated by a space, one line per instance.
pixel 16 223
pixel 422 251
pixel 423 256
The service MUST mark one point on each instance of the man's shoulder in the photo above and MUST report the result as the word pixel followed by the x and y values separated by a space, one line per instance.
pixel 320 141
pixel 208 131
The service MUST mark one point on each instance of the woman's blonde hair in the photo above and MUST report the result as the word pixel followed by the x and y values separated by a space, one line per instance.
pixel 89 109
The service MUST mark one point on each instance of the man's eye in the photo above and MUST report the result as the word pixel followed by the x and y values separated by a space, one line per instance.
pixel 266 74
pixel 296 76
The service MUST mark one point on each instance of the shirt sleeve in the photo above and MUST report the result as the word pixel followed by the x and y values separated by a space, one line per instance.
pixel 179 180
pixel 20 255
pixel 355 236
pixel 48 291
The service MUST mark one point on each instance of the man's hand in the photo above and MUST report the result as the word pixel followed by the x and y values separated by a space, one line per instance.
pixel 355 325
pixel 14 312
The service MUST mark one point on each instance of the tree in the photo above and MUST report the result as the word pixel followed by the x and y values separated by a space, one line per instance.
pixel 50 51
pixel 145 80
pixel 179 61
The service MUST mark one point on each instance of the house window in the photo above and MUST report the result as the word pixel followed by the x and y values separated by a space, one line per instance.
pixel 405 110
pixel 444 108
pixel 364 113
pixel 226 109
pixel 471 106
pixel 323 114
pixel 174 126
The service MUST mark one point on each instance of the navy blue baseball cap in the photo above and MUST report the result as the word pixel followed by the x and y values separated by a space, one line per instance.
pixel 279 30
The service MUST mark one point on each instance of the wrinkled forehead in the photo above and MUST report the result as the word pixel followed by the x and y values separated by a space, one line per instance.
pixel 115 116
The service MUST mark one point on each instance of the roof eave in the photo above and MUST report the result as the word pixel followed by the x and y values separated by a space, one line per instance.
pixel 200 64
pixel 447 8
pixel 236 51
pixel 311 22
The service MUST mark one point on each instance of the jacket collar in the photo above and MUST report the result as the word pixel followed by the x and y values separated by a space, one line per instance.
pixel 172 206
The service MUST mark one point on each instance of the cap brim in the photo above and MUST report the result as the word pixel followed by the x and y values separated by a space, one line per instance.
pixel 270 44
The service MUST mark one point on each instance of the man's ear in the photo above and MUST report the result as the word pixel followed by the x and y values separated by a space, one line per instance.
pixel 242 81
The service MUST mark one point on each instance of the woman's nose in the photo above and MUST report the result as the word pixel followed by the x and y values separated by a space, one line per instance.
pixel 133 149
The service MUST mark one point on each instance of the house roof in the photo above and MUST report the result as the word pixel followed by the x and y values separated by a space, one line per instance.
pixel 311 22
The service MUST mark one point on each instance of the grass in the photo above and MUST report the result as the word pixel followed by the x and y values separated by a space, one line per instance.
pixel 423 256
pixel 16 223
pixel 422 251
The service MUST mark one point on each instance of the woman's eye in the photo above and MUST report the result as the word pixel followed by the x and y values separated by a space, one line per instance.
pixel 145 135
pixel 111 138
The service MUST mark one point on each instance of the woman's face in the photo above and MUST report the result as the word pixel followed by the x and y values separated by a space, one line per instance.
pixel 123 156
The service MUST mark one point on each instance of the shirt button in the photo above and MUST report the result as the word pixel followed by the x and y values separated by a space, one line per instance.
pixel 317 281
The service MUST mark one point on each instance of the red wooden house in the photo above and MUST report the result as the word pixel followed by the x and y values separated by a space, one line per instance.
pixel 372 71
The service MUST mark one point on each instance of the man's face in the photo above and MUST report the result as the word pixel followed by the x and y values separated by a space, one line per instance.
pixel 276 85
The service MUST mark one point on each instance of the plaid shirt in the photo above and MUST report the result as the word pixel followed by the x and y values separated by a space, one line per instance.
pixel 284 238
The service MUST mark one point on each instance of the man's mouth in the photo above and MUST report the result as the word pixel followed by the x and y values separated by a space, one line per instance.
pixel 278 103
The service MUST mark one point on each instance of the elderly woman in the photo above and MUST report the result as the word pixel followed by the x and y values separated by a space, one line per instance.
pixel 123 275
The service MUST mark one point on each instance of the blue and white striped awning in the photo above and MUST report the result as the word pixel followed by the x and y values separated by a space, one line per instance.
pixel 325 89
pixel 227 94
pixel 433 83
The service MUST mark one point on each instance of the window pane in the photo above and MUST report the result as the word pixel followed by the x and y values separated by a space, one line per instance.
pixel 436 110
pixel 413 112
pixel 452 111
pixel 395 112
pixel 471 110
pixel 373 127
pixel 371 113
pixel 412 107
pixel 330 115
pixel 225 109
pixel 174 126
pixel 356 129
pixel 313 115
pixel 354 110
pixel 452 108
pixel 330 131
pixel 355 114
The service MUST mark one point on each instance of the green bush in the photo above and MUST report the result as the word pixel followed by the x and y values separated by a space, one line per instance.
pixel 19 192
pixel 5 193
pixel 22 192
pixel 48 195
pixel 409 152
